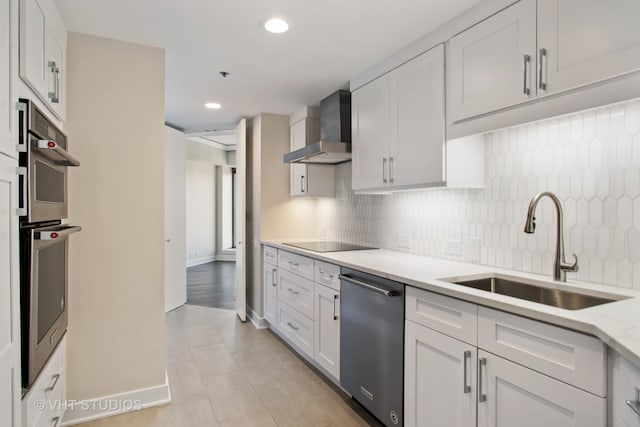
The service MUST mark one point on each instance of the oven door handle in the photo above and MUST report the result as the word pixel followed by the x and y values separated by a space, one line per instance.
pixel 56 234
pixel 387 292
pixel 67 159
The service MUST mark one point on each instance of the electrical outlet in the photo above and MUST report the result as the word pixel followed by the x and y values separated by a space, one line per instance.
pixel 404 242
pixel 453 247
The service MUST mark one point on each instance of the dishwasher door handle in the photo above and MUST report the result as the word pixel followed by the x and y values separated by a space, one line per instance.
pixel 387 292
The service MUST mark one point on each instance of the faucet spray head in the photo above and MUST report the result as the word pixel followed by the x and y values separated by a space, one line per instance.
pixel 530 224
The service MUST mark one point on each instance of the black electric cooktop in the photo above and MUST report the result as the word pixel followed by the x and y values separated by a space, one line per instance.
pixel 328 246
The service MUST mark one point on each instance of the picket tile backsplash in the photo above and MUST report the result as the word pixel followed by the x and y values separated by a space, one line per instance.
pixel 591 160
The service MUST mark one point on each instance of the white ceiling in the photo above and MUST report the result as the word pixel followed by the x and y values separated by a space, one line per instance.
pixel 328 43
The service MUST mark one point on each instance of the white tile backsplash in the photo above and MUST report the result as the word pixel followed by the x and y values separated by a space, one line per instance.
pixel 591 160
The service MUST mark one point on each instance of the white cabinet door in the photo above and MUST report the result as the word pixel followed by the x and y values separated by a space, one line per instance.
pixel 492 64
pixel 43 40
pixel 33 55
pixel 327 329
pixel 625 380
pixel 56 61
pixel 10 383
pixel 8 138
pixel 417 121
pixel 586 41
pixel 439 379
pixel 512 395
pixel 370 135
pixel 270 294
pixel 298 136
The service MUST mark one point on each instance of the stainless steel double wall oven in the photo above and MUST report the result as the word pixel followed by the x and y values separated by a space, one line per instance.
pixel 44 239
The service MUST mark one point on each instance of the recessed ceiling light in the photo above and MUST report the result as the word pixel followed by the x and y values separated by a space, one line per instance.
pixel 213 105
pixel 276 25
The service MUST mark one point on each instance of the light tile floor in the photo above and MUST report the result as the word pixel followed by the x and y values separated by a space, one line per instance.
pixel 224 372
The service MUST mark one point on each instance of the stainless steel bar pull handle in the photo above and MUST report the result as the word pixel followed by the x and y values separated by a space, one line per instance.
pixel 635 404
pixel 387 292
pixel 481 396
pixel 273 277
pixel 54 381
pixel 53 69
pixel 22 183
pixel 335 316
pixel 391 170
pixel 293 292
pixel 302 184
pixel 466 386
pixel 384 170
pixel 295 328
pixel 542 67
pixel 526 71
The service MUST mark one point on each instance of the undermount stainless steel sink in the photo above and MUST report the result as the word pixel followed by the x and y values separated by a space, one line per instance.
pixel 531 291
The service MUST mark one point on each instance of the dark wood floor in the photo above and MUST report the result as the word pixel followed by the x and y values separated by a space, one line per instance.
pixel 212 285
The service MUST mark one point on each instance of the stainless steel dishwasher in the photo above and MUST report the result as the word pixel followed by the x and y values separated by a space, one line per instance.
pixel 372 343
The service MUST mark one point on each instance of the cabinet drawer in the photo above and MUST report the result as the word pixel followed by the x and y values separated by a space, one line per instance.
pixel 295 263
pixel 296 291
pixel 327 274
pixel 52 414
pixel 48 385
pixel 451 316
pixel 270 255
pixel 569 356
pixel 296 327
pixel 625 378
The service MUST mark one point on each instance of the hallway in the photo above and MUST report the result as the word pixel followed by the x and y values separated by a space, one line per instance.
pixel 212 285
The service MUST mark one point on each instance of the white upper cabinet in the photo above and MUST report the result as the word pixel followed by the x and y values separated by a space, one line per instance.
pixel 417 121
pixel 43 43
pixel 492 64
pixel 586 41
pixel 309 180
pixel 8 27
pixel 370 134
pixel 533 49
pixel 398 132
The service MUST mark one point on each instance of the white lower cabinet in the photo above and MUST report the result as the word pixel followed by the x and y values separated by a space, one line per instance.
pixel 302 304
pixel 512 395
pixel 44 404
pixel 624 392
pixel 439 379
pixel 327 329
pixel 522 373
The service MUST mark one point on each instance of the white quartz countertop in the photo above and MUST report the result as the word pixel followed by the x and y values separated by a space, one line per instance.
pixel 616 323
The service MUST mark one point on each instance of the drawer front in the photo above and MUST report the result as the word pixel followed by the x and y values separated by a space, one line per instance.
pixel 49 384
pixel 566 355
pixel 296 327
pixel 270 255
pixel 301 265
pixel 296 291
pixel 327 274
pixel 450 316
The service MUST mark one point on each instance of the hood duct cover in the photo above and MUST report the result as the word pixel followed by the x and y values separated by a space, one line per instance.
pixel 335 133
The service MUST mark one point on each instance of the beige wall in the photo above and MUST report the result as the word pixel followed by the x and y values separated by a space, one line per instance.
pixel 278 216
pixel 116 303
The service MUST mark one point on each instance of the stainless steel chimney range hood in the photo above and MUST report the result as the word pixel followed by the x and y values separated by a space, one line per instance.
pixel 335 133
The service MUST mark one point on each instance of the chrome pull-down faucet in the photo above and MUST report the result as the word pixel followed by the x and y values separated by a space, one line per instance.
pixel 560 266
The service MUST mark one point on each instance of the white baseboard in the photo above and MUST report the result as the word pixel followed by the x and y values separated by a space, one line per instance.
pixel 257 321
pixel 197 261
pixel 89 410
pixel 226 256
